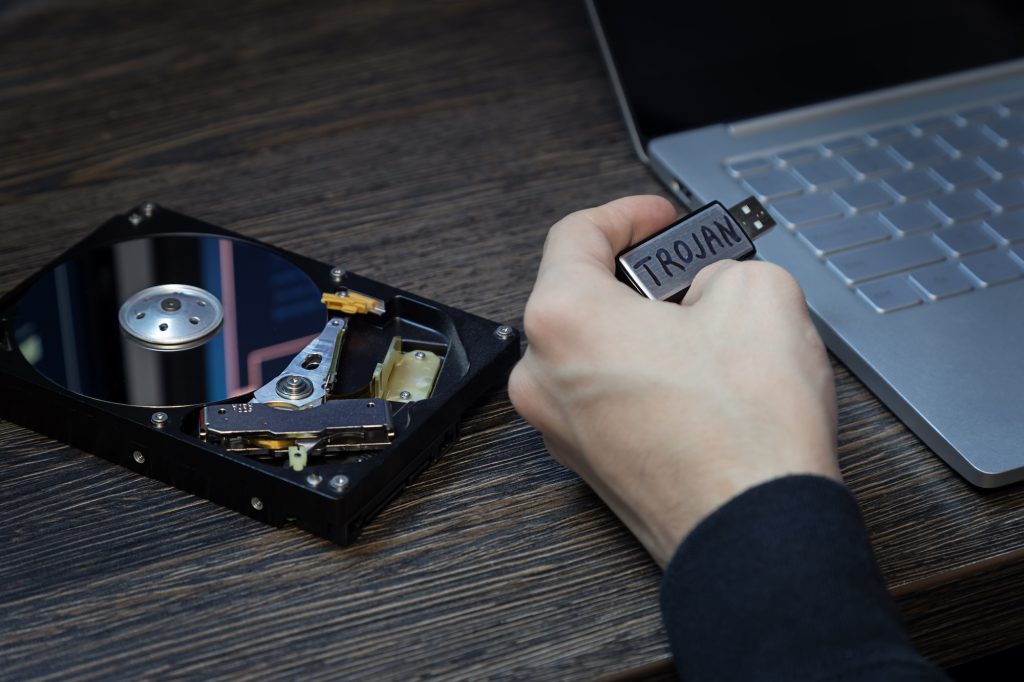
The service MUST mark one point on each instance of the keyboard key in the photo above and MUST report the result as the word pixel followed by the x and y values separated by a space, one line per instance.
pixel 891 134
pixel 773 184
pixel 913 185
pixel 935 124
pixel 889 294
pixel 910 218
pixel 823 173
pixel 886 258
pixel 941 281
pixel 991 268
pixel 793 157
pixel 1007 129
pixel 960 206
pixel 810 208
pixel 845 234
pixel 864 196
pixel 844 144
pixel 960 173
pixel 741 169
pixel 965 140
pixel 965 239
pixel 1005 195
pixel 919 150
pixel 1005 162
pixel 872 162
pixel 1009 226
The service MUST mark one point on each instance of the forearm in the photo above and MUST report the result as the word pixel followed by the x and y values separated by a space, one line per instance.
pixel 780 584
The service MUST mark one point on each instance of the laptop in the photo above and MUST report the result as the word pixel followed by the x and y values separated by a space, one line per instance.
pixel 885 138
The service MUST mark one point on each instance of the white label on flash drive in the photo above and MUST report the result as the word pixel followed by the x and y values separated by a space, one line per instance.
pixel 662 267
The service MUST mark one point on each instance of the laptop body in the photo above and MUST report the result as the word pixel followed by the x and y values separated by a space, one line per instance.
pixel 888 147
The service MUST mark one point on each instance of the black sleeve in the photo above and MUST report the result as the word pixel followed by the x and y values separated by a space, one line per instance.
pixel 780 584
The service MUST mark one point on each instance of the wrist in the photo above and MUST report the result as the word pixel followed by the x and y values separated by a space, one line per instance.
pixel 677 519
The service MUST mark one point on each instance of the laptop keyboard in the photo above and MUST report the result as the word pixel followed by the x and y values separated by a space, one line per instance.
pixel 906 215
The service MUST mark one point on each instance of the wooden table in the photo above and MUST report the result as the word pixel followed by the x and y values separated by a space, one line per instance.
pixel 458 131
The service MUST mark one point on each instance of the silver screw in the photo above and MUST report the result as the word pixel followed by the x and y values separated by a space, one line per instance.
pixel 405 395
pixel 338 482
pixel 148 208
pixel 135 219
pixel 419 355
pixel 256 503
pixel 334 322
pixel 294 387
pixel 337 272
pixel 504 332
pixel 139 457
pixel 314 479
pixel 159 419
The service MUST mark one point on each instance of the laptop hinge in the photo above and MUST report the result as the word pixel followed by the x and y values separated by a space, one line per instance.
pixel 904 91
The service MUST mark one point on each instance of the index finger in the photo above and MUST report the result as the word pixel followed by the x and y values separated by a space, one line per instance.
pixel 586 242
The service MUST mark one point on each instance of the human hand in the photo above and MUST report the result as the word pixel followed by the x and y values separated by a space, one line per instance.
pixel 670 410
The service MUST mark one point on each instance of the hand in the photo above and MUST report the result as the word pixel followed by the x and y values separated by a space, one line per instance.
pixel 670 410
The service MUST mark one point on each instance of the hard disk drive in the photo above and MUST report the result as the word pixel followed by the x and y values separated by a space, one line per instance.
pixel 273 384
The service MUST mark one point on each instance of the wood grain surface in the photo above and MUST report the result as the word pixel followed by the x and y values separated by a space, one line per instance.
pixel 429 146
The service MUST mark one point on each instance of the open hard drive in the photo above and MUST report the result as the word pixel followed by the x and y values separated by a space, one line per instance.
pixel 268 382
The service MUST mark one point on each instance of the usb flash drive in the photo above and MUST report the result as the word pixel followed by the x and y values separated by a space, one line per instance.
pixel 663 266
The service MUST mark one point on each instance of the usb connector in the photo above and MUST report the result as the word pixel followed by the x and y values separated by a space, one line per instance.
pixel 752 217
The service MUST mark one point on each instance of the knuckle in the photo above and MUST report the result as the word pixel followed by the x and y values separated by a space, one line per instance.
pixel 550 316
pixel 569 224
pixel 518 387
pixel 536 318
pixel 528 396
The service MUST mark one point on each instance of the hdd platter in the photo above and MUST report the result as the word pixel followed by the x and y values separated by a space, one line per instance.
pixel 279 386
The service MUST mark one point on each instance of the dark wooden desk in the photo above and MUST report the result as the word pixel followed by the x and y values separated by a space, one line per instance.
pixel 458 131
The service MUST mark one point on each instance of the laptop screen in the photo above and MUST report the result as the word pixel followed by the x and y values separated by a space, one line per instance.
pixel 686 64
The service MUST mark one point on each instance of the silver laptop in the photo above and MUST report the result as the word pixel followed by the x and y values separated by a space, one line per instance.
pixel 886 138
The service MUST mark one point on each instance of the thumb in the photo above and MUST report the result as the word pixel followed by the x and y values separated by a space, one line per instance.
pixel 705 280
